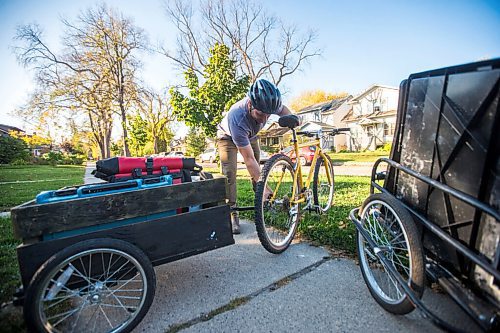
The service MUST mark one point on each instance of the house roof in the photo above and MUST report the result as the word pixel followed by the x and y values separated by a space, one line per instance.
pixel 273 132
pixel 7 128
pixel 369 90
pixel 379 114
pixel 349 117
pixel 317 123
pixel 324 107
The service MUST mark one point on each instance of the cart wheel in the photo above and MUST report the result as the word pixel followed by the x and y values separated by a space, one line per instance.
pixel 392 228
pixel 98 285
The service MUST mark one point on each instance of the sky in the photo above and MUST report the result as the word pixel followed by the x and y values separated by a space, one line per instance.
pixel 362 42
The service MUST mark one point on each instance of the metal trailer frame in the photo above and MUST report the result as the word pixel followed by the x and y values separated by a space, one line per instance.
pixel 417 168
pixel 486 319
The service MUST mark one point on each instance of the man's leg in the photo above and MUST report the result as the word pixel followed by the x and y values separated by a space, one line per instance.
pixel 228 160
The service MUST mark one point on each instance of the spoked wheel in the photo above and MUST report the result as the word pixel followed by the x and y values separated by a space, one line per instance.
pixel 323 186
pixel 276 218
pixel 101 285
pixel 392 228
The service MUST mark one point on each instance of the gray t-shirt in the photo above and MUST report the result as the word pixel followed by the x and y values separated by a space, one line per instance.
pixel 239 124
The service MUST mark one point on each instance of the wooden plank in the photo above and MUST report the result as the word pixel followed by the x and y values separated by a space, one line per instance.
pixel 162 240
pixel 33 220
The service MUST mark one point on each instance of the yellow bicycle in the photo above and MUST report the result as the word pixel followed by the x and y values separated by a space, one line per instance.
pixel 281 193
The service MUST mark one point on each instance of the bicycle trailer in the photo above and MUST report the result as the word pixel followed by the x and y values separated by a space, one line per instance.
pixel 438 210
pixel 94 246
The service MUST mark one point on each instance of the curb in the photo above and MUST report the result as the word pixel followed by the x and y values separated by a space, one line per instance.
pixel 349 163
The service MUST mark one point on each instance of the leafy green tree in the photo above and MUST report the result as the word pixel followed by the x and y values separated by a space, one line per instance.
pixel 205 104
pixel 12 149
pixel 196 142
pixel 138 136
pixel 117 148
pixel 157 112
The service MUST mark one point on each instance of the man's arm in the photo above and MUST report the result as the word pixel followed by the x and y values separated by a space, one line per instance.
pixel 285 111
pixel 250 161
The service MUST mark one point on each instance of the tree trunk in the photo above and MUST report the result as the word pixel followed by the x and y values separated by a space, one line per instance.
pixel 126 149
pixel 155 144
pixel 107 144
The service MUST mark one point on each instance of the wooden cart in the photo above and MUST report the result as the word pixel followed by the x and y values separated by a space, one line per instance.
pixel 87 264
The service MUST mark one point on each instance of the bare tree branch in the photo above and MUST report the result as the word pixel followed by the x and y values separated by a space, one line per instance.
pixel 257 44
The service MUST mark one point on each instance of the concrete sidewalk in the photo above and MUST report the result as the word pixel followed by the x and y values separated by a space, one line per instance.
pixel 88 178
pixel 243 288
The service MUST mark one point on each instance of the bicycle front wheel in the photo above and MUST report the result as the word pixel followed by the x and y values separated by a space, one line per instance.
pixel 276 218
pixel 323 188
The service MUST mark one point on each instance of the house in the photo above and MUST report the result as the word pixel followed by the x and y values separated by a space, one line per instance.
pixel 324 116
pixel 179 144
pixel 6 129
pixel 372 118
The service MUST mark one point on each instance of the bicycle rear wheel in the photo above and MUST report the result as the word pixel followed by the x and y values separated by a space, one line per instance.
pixel 276 219
pixel 323 189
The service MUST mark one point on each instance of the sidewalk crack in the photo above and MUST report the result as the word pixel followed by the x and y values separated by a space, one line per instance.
pixel 239 301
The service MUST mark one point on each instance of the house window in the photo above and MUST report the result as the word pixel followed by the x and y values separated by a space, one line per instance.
pixel 369 130
pixel 275 141
pixel 317 116
pixel 388 129
pixel 376 108
pixel 263 141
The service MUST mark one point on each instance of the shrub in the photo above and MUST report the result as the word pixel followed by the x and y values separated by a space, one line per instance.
pixel 73 159
pixel 38 160
pixel 386 147
pixel 53 156
pixel 19 161
pixel 12 149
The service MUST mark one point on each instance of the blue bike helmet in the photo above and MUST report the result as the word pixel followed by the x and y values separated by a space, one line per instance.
pixel 265 96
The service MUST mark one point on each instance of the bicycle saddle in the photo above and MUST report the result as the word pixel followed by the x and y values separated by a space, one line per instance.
pixel 290 121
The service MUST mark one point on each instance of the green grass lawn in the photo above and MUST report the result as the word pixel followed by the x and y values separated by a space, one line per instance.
pixel 14 189
pixel 9 269
pixel 334 228
pixel 369 156
pixel 16 192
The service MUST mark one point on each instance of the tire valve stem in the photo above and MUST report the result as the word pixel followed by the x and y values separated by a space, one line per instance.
pixel 60 282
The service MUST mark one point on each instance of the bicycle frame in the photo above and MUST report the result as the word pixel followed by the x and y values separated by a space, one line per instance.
pixel 297 180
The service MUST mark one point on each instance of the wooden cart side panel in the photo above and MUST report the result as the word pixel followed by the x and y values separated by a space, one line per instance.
pixel 162 240
pixel 30 221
